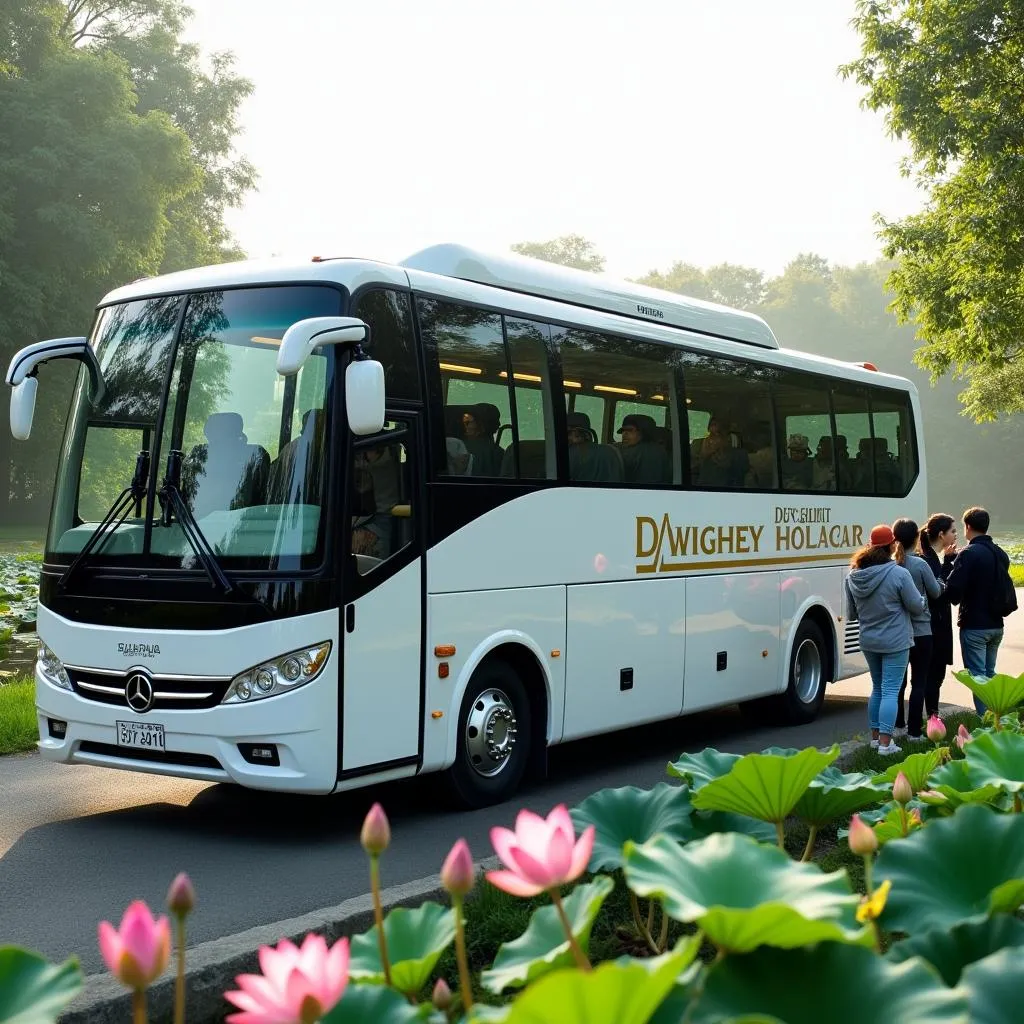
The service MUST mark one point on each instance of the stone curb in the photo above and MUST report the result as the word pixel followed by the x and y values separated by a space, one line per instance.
pixel 211 967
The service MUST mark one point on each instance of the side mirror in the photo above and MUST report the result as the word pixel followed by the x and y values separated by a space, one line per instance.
pixel 303 337
pixel 364 396
pixel 23 407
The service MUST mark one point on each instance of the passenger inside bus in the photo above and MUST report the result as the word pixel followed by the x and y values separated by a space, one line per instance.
pixel 797 466
pixel 644 460
pixel 378 490
pixel 226 472
pixel 479 424
pixel 715 462
pixel 588 460
pixel 295 476
pixel 762 473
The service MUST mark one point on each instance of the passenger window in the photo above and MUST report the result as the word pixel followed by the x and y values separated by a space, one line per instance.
pixel 637 380
pixel 392 343
pixel 467 348
pixel 381 490
pixel 894 458
pixel 853 446
pixel 729 417
pixel 804 426
pixel 531 454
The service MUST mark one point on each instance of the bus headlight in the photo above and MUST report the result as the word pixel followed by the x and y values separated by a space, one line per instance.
pixel 278 676
pixel 52 668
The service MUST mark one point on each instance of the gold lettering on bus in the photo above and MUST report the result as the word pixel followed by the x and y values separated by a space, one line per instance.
pixel 802 535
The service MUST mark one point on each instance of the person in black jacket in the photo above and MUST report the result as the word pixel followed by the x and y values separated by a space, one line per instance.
pixel 938 546
pixel 974 579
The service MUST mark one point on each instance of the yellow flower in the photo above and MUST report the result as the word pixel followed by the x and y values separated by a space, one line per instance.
pixel 871 907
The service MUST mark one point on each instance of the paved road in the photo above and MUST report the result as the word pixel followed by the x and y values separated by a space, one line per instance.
pixel 77 844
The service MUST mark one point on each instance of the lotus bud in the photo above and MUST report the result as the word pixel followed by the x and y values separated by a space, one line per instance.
pixel 457 870
pixel 181 897
pixel 963 737
pixel 376 834
pixel 862 838
pixel 442 997
pixel 902 791
pixel 935 729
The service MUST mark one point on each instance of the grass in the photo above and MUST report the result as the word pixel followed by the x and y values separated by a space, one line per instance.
pixel 865 759
pixel 18 730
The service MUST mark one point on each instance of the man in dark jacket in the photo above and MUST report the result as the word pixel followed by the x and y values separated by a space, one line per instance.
pixel 975 578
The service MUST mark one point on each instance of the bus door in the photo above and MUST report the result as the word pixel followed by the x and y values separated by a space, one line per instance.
pixel 382 622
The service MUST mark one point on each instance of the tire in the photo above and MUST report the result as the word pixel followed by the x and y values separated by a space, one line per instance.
pixel 478 779
pixel 808 663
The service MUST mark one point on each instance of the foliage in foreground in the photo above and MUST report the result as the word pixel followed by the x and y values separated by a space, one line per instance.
pixel 18 727
pixel 770 934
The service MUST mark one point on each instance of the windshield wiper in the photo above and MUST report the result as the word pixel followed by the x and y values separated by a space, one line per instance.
pixel 172 500
pixel 131 496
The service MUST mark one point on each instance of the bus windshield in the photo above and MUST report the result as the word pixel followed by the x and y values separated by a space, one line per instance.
pixel 197 375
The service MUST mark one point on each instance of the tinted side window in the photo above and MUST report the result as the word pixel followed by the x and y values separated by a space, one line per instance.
pixel 530 455
pixel 729 418
pixel 854 462
pixel 392 342
pixel 895 456
pixel 804 424
pixel 619 396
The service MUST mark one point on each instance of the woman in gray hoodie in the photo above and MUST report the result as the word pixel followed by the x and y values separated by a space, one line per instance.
pixel 908 555
pixel 882 596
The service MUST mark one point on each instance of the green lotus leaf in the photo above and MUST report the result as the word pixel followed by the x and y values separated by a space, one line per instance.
pixel 699 769
pixel 1000 694
pixel 993 987
pixel 961 868
pixel 892 825
pixel 377 1004
pixel 705 823
pixel 834 795
pixel 916 767
pixel 950 950
pixel 831 982
pixel 743 894
pixel 415 939
pixel 953 780
pixel 544 945
pixel 996 759
pixel 631 813
pixel 32 990
pixel 764 786
pixel 612 993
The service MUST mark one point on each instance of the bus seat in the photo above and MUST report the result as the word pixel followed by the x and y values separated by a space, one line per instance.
pixel 532 460
pixel 226 472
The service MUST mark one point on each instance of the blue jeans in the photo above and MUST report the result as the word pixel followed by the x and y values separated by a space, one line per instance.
pixel 886 678
pixel 978 648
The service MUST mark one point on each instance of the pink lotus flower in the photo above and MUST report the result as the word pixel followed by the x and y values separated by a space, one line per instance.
pixel 862 838
pixel 181 897
pixel 376 834
pixel 442 995
pixel 297 986
pixel 963 736
pixel 902 791
pixel 541 854
pixel 137 952
pixel 935 729
pixel 457 870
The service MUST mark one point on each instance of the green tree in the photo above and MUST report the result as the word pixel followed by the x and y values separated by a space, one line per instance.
pixel 568 250
pixel 727 283
pixel 949 76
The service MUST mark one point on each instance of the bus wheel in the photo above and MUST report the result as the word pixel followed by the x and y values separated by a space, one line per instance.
pixel 494 737
pixel 805 692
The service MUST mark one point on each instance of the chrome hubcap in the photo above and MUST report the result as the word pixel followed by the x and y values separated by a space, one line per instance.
pixel 807 671
pixel 490 733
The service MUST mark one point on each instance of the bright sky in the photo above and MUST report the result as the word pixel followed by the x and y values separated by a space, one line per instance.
pixel 661 130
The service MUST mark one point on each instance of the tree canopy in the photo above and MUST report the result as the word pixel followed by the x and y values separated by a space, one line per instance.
pixel 568 250
pixel 949 77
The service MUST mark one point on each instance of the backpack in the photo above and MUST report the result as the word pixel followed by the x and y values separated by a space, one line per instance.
pixel 1003 596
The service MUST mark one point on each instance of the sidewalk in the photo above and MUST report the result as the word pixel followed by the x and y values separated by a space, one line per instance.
pixel 1011 661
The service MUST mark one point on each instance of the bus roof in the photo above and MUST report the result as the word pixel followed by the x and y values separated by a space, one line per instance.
pixel 596 291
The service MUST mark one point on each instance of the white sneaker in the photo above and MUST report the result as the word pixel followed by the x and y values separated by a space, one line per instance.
pixel 890 749
pixel 874 744
pixel 899 731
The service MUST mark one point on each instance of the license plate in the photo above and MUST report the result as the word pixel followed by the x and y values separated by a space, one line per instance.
pixel 142 735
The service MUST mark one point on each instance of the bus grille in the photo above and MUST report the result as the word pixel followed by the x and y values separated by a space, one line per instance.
pixel 170 693
pixel 155 756
pixel 851 638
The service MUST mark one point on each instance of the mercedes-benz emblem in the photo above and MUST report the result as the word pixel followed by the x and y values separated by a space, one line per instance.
pixel 138 692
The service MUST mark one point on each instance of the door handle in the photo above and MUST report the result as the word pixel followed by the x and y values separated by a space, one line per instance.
pixel 350 618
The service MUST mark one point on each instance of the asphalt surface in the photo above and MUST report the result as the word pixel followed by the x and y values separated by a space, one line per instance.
pixel 77 844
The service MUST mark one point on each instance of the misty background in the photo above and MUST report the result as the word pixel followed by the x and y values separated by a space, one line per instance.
pixel 138 137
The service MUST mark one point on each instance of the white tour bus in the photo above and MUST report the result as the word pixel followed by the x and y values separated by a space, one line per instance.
pixel 583 505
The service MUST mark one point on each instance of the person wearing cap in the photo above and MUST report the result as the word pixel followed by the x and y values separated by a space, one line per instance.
pixel 797 468
pixel 589 462
pixel 644 460
pixel 881 595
